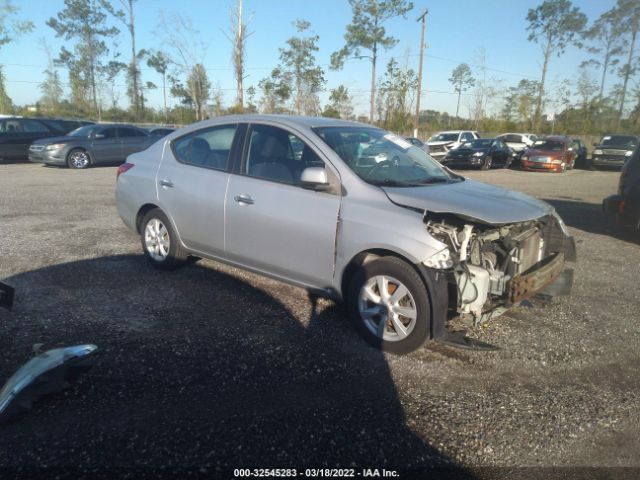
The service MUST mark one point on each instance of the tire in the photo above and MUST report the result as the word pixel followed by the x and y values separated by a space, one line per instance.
pixel 378 327
pixel 563 167
pixel 508 163
pixel 156 235
pixel 486 165
pixel 78 159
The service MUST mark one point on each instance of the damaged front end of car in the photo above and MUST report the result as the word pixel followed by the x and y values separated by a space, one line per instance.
pixel 492 267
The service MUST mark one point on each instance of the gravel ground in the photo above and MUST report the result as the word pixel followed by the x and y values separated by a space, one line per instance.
pixel 210 368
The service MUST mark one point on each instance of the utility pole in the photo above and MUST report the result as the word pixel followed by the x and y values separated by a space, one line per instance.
pixel 416 122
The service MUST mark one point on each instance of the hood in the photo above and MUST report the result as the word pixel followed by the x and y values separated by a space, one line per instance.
pixel 614 147
pixel 62 139
pixel 544 153
pixel 438 143
pixel 469 151
pixel 471 199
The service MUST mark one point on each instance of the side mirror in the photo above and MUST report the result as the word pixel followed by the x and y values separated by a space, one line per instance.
pixel 314 178
pixel 99 136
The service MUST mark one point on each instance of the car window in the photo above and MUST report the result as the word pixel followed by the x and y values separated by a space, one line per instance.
pixel 444 137
pixel 10 126
pixel 107 133
pixel 130 132
pixel 275 154
pixel 33 126
pixel 467 137
pixel 381 158
pixel 550 145
pixel 208 148
pixel 478 143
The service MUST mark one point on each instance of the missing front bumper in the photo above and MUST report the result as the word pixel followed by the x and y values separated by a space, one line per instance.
pixel 529 284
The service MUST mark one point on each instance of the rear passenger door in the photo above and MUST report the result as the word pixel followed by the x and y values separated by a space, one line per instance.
pixel 12 144
pixel 192 182
pixel 105 146
pixel 272 223
pixel 132 140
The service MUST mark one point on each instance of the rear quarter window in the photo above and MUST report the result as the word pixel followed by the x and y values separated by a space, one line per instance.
pixel 208 148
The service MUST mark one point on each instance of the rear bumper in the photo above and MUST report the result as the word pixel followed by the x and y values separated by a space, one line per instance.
pixel 617 208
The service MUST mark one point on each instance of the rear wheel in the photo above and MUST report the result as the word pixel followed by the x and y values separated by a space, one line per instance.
pixel 160 242
pixel 389 305
pixel 78 159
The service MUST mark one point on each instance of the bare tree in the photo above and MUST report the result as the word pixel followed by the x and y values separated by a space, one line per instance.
pixel 187 51
pixel 238 38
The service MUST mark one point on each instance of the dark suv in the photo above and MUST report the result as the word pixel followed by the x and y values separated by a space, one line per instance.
pixel 17 133
pixel 624 207
pixel 613 150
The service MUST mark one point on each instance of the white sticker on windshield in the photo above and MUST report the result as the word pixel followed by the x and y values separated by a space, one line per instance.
pixel 399 141
pixel 606 138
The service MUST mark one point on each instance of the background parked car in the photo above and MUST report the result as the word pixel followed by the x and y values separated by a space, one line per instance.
pixel 518 143
pixel 481 153
pixel 442 142
pixel 17 133
pixel 613 150
pixel 581 153
pixel 418 143
pixel 91 145
pixel 161 131
pixel 624 207
pixel 552 153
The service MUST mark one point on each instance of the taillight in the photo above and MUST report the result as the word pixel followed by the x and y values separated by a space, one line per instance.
pixel 123 168
pixel 621 207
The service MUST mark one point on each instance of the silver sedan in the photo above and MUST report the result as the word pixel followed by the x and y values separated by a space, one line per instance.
pixel 349 211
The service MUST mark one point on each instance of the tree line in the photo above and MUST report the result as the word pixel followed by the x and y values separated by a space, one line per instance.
pixel 95 63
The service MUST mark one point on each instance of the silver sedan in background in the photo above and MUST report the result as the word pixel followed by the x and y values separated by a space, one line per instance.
pixel 344 210
pixel 91 145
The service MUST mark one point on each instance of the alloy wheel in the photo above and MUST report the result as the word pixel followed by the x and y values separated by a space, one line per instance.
pixel 79 159
pixel 156 239
pixel 387 308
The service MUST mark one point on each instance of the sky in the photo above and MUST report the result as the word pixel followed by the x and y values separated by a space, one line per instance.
pixel 457 31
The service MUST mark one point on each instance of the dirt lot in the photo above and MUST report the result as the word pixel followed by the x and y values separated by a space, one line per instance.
pixel 210 368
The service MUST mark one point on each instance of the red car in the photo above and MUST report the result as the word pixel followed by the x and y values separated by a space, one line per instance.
pixel 551 154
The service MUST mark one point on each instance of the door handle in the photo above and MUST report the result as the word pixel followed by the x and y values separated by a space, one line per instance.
pixel 246 199
pixel 166 183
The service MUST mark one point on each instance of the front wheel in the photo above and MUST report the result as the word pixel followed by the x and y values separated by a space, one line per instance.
pixel 389 305
pixel 486 165
pixel 160 242
pixel 78 159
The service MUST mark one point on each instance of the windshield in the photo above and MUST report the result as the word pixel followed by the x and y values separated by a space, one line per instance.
pixel 619 141
pixel 444 137
pixel 550 145
pixel 479 143
pixel 382 158
pixel 81 132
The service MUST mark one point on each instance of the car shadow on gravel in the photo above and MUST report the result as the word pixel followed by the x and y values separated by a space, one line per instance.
pixel 589 217
pixel 199 372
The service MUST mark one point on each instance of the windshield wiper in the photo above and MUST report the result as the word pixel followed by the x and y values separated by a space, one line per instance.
pixel 387 182
pixel 427 181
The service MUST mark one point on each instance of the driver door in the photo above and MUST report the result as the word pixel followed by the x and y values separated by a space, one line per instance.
pixel 274 225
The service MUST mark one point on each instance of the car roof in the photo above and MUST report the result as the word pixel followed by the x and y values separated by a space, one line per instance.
pixel 562 138
pixel 290 120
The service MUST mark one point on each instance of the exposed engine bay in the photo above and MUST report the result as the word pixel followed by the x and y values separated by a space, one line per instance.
pixel 495 266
